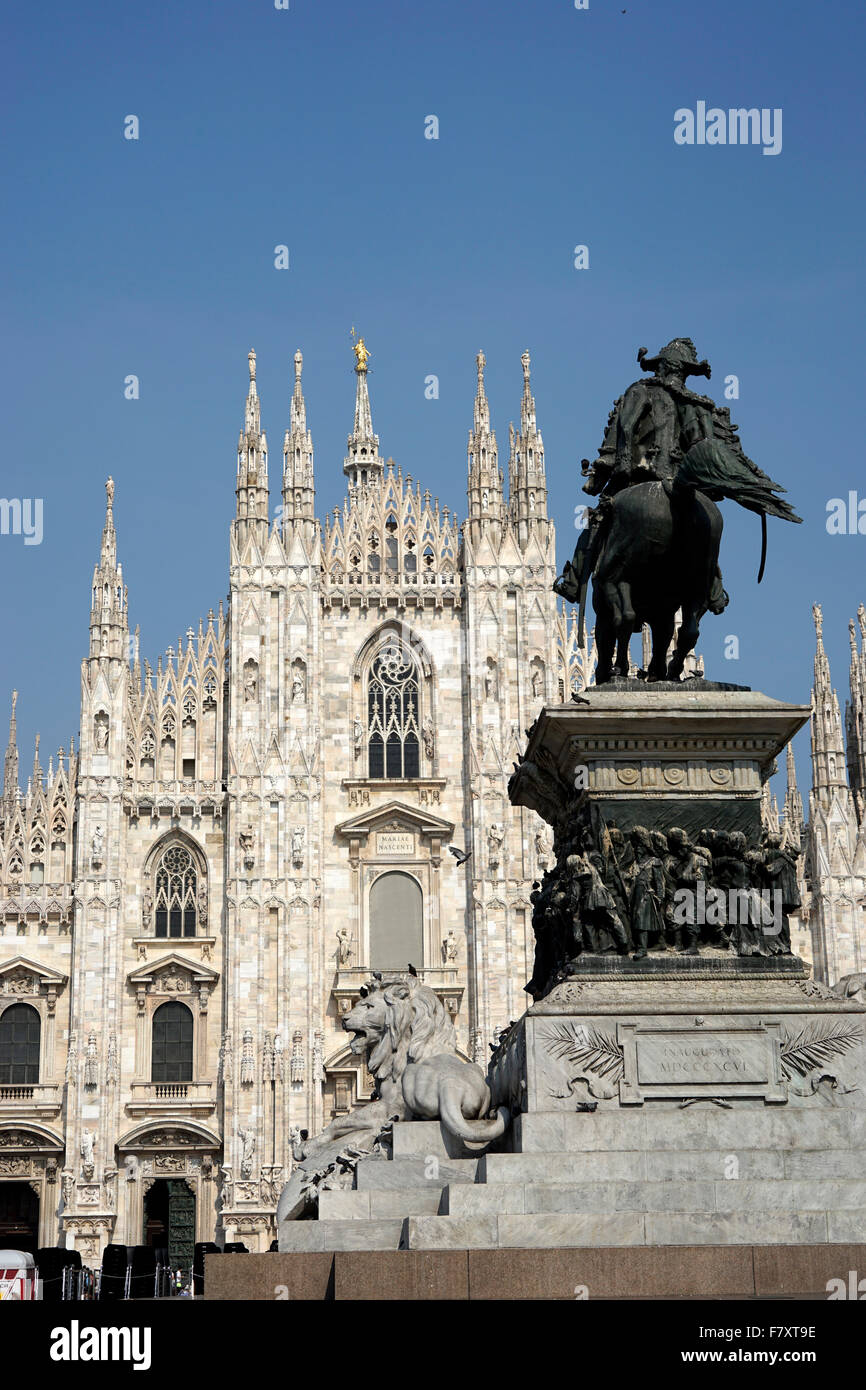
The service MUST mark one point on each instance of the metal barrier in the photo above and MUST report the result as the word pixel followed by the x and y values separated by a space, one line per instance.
pixel 173 1283
pixel 80 1285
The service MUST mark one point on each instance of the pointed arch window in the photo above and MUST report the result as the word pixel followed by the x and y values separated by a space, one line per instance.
pixel 176 893
pixel 392 714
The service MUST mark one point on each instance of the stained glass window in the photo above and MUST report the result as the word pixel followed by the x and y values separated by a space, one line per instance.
pixel 176 883
pixel 392 714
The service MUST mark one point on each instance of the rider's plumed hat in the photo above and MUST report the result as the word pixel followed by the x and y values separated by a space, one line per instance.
pixel 678 352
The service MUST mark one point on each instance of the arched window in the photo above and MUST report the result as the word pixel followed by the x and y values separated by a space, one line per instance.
pixel 176 883
pixel 392 714
pixel 171 1053
pixel 20 1032
pixel 396 922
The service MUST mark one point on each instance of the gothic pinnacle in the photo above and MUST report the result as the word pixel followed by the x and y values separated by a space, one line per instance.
pixel 482 405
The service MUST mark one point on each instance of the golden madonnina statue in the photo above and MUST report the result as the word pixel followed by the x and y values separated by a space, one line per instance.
pixel 361 355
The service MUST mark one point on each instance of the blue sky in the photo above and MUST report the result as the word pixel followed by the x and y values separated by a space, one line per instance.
pixel 305 127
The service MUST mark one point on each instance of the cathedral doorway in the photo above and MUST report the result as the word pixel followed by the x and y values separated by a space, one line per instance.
pixel 19 1217
pixel 169 1220
pixel 396 922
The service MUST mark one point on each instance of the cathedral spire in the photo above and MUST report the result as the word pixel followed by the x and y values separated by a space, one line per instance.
pixel 793 811
pixel 484 491
pixel 855 710
pixel 299 497
pixel 252 482
pixel 109 629
pixel 527 487
pixel 10 765
pixel 828 757
pixel 482 405
pixel 363 462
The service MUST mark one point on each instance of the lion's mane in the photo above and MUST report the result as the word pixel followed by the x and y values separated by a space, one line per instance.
pixel 417 1027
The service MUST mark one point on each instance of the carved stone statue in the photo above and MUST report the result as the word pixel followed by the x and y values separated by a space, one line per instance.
pixel 491 679
pixel 97 847
pixel 101 731
pixel 299 685
pixel 247 842
pixel 427 736
pixel 298 846
pixel 251 681
pixel 91 1063
pixel 88 1143
pixel 495 837
pixel 248 1139
pixel 404 1033
pixel 652 545
pixel 449 947
pixel 357 737
pixel 344 946
pixel 542 847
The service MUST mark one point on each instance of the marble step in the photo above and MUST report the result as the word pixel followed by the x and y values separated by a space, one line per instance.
pixel 604 1197
pixel 665 1165
pixel 377 1204
pixel 340 1235
pixel 378 1174
pixel 576 1230
pixel 426 1138
pixel 649 1127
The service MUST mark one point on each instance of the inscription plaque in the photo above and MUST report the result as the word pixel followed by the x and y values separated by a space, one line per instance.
pixel 395 842
pixel 688 1063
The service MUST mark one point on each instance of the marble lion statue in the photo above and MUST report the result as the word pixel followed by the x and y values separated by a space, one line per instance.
pixel 403 1030
pixel 852 987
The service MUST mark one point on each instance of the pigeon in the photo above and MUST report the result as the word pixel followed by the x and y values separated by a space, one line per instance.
pixel 578 699
pixel 412 970
pixel 461 855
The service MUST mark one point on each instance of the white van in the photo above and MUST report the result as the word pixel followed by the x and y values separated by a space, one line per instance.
pixel 18 1277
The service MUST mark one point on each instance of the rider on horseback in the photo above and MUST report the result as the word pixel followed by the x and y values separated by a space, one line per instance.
pixel 661 432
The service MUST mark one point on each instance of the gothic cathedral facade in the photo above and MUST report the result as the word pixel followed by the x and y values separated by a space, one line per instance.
pixel 192 900
pixel 311 787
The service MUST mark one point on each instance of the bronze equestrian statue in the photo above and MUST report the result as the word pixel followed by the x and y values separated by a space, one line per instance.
pixel 651 546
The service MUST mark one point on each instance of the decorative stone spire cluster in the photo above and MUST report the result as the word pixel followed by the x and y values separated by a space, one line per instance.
pixel 793 812
pixel 299 495
pixel 855 711
pixel 525 514
pixel 485 497
pixel 527 485
pixel 10 765
pixel 252 483
pixel 835 842
pixel 363 463
pixel 828 752
pixel 109 627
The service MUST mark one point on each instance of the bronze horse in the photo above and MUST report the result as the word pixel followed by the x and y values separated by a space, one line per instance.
pixel 652 555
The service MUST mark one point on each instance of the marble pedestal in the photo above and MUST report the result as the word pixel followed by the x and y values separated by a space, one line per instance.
pixel 711 1103
pixel 694 754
